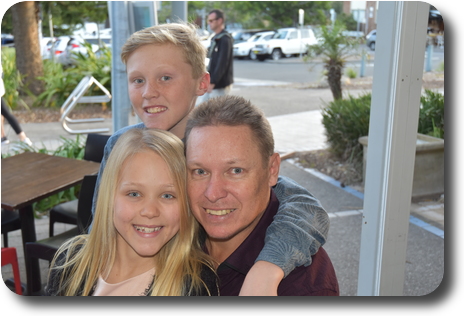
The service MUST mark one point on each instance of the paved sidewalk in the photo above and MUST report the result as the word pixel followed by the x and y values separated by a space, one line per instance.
pixel 303 131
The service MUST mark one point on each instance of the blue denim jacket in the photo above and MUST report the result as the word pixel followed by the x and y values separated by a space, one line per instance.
pixel 299 228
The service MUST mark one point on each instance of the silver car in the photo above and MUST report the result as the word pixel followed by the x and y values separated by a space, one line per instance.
pixel 370 39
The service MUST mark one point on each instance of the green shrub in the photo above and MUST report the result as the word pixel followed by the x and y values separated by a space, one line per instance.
pixel 12 79
pixel 350 73
pixel 346 120
pixel 60 81
pixel 59 84
pixel 432 114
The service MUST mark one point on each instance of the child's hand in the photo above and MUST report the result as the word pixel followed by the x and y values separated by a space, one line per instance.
pixel 262 280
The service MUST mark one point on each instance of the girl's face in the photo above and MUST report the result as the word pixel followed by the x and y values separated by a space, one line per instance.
pixel 146 206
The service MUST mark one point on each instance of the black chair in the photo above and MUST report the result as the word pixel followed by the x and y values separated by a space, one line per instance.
pixel 45 249
pixel 67 212
pixel 10 222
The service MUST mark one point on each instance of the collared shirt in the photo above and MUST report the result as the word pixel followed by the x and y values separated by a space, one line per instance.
pixel 318 279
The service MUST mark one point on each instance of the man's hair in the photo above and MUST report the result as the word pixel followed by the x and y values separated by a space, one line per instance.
pixel 219 14
pixel 182 35
pixel 230 110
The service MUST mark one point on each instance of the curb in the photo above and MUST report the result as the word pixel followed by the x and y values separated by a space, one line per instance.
pixel 413 220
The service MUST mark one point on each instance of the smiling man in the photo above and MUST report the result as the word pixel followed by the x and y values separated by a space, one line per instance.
pixel 232 168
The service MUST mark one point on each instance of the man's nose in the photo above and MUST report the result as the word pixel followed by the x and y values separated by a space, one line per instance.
pixel 216 189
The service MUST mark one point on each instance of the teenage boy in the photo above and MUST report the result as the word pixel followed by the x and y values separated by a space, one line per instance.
pixel 165 67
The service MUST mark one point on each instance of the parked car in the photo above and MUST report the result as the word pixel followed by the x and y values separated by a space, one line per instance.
pixel 67 46
pixel 286 42
pixel 7 40
pixel 370 39
pixel 245 49
pixel 244 35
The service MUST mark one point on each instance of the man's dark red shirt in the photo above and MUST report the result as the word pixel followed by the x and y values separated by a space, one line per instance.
pixel 318 279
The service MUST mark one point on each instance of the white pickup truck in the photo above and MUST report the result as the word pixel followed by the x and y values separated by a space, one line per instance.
pixel 286 41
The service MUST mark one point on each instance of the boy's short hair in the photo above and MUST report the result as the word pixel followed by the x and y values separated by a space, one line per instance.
pixel 182 35
pixel 230 110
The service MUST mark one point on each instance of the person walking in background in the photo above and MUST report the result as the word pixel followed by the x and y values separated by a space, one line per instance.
pixel 11 119
pixel 220 56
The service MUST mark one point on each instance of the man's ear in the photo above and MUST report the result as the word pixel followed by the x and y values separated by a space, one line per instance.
pixel 203 84
pixel 274 168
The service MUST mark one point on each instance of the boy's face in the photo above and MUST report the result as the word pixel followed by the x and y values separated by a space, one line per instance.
pixel 161 87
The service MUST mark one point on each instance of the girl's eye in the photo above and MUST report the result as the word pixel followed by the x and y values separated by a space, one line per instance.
pixel 167 196
pixel 134 194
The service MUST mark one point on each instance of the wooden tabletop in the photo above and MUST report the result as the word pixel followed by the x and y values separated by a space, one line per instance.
pixel 30 177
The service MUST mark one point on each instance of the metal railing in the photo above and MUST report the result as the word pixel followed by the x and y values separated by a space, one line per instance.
pixel 76 97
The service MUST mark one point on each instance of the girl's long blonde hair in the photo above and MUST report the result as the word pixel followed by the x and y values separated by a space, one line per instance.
pixel 178 263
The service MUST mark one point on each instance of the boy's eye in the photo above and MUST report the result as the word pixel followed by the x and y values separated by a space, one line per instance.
pixel 165 78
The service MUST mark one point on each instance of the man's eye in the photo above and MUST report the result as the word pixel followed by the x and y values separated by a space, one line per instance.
pixel 237 170
pixel 138 81
pixel 199 172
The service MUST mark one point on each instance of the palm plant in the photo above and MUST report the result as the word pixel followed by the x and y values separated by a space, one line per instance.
pixel 334 48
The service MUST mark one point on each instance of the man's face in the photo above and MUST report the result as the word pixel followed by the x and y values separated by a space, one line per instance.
pixel 213 22
pixel 228 183
pixel 162 89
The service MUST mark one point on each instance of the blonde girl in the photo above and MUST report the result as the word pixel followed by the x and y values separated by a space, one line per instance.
pixel 144 238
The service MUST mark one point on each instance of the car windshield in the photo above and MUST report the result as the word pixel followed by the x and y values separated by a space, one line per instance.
pixel 280 34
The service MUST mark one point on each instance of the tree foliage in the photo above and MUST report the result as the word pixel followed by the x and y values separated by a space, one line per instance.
pixel 269 14
pixel 67 16
pixel 333 48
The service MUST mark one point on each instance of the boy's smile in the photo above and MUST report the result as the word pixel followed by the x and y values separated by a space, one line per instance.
pixel 161 87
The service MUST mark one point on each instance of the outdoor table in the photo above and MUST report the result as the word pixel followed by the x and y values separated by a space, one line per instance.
pixel 30 177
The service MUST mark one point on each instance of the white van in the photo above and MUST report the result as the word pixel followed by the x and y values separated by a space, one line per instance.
pixel 286 41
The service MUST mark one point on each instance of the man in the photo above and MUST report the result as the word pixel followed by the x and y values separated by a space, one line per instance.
pixel 220 56
pixel 232 168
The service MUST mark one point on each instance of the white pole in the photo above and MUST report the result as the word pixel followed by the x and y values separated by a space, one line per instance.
pixel 399 62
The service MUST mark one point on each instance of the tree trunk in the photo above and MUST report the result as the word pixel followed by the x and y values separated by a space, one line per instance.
pixel 27 45
pixel 334 78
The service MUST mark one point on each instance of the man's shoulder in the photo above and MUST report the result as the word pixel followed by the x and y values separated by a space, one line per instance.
pixel 317 279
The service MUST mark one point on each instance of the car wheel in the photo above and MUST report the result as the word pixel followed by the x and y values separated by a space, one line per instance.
pixel 252 55
pixel 276 54
pixel 372 46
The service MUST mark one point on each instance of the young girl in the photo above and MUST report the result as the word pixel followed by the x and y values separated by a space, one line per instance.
pixel 144 238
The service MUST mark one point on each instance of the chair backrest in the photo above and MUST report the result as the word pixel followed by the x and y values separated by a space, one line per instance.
pixel 84 206
pixel 94 147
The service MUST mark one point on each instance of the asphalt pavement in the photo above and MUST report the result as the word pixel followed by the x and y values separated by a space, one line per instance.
pixel 301 130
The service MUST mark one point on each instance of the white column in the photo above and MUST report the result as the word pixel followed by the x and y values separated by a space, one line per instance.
pixel 399 62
